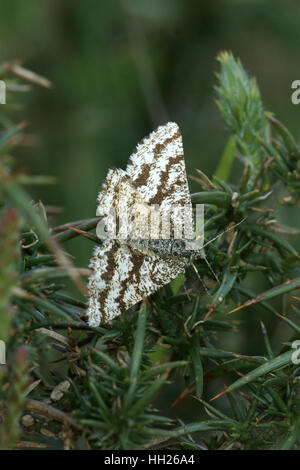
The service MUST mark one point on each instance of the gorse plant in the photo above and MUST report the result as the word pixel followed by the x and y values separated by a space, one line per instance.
pixel 69 385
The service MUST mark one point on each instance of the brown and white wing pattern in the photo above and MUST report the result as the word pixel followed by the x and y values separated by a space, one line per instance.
pixel 123 276
pixel 157 167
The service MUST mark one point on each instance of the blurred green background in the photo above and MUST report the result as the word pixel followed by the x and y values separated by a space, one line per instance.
pixel 120 68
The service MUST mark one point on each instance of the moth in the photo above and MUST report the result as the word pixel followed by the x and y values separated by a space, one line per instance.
pixel 126 269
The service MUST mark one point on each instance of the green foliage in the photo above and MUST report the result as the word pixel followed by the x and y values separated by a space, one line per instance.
pixel 111 387
pixel 240 104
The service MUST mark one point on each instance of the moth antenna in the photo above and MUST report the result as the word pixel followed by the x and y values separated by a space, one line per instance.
pixel 204 257
pixel 210 267
pixel 199 277
pixel 227 230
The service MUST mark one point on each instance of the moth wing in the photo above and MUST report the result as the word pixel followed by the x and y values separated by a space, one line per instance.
pixel 122 277
pixel 157 170
pixel 157 167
